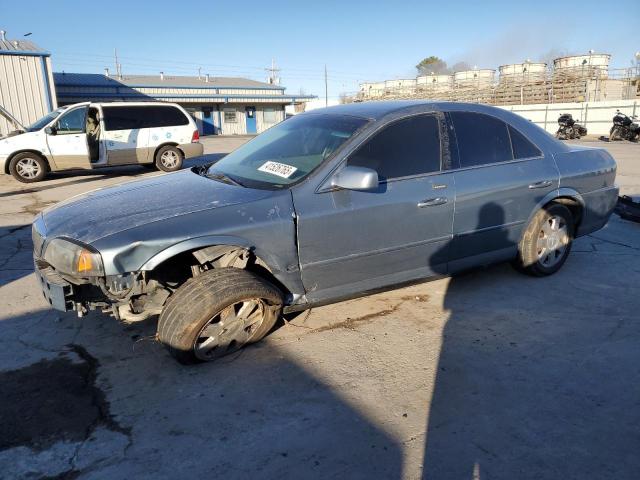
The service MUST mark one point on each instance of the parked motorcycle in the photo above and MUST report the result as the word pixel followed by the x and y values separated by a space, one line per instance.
pixel 569 128
pixel 625 127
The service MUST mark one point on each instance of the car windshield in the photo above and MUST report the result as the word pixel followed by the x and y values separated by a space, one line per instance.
pixel 44 121
pixel 287 152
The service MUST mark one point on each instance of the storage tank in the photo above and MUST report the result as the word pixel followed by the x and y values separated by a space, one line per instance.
pixel 400 85
pixel 474 78
pixel 372 89
pixel 590 65
pixel 435 82
pixel 526 72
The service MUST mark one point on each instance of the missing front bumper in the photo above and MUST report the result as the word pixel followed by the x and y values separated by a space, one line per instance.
pixel 57 291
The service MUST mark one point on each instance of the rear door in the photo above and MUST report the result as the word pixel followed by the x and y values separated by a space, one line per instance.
pixel 126 134
pixel 500 178
pixel 68 142
pixel 353 241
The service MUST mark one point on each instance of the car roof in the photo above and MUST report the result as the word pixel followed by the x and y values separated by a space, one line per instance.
pixel 376 110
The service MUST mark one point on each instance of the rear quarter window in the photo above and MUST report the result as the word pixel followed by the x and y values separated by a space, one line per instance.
pixel 522 147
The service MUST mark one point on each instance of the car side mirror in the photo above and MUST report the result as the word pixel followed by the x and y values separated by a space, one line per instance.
pixel 51 131
pixel 356 178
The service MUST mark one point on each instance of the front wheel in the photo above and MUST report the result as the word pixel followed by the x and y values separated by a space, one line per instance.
pixel 614 134
pixel 217 313
pixel 28 167
pixel 169 159
pixel 546 242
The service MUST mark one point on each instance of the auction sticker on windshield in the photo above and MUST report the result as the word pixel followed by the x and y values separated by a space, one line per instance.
pixel 280 169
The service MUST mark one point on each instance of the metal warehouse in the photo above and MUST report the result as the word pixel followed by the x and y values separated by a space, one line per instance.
pixel 220 105
pixel 26 82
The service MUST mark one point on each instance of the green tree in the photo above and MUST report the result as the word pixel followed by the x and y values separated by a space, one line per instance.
pixel 431 64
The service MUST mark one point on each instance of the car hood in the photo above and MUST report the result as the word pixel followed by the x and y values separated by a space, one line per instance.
pixel 94 215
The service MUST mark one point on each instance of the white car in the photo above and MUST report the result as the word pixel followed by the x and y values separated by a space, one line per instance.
pixel 93 135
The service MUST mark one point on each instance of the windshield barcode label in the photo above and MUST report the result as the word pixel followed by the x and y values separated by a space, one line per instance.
pixel 280 169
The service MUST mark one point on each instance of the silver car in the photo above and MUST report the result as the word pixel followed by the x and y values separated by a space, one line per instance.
pixel 325 206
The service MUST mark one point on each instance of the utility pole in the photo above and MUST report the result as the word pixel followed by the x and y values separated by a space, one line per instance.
pixel 199 72
pixel 326 88
pixel 273 79
pixel 118 71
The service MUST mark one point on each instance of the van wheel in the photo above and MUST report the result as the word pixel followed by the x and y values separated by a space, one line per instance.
pixel 28 167
pixel 217 313
pixel 546 242
pixel 169 159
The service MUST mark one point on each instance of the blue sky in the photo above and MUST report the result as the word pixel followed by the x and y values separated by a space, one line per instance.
pixel 358 41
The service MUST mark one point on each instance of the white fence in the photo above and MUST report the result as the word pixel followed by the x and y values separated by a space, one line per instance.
pixel 596 116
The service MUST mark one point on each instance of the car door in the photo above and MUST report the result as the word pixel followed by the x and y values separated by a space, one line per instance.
pixel 353 241
pixel 126 134
pixel 500 178
pixel 67 140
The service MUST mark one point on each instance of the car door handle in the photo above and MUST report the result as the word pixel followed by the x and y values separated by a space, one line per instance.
pixel 541 184
pixel 432 202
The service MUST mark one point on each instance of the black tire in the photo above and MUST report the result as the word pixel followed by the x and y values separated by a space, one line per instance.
pixel 28 167
pixel 169 159
pixel 531 256
pixel 201 302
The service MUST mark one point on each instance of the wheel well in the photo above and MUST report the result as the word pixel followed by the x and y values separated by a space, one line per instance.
pixel 574 206
pixel 179 268
pixel 172 144
pixel 26 150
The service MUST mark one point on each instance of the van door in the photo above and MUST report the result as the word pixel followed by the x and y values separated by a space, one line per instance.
pixel 125 134
pixel 67 140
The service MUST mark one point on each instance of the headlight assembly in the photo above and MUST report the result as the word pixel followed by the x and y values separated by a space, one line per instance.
pixel 73 259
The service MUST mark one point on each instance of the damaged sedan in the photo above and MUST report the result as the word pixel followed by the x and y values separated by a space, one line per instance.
pixel 328 205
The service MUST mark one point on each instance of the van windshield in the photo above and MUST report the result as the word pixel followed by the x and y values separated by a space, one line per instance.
pixel 287 152
pixel 46 120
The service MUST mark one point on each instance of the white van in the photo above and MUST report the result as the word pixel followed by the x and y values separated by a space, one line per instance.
pixel 94 135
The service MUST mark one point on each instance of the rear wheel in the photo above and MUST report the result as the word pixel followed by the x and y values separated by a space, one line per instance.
pixel 546 242
pixel 28 167
pixel 169 159
pixel 217 313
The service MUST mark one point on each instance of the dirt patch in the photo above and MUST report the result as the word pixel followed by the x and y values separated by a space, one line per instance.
pixel 351 323
pixel 52 400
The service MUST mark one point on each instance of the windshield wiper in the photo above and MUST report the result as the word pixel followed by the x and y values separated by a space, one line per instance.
pixel 224 178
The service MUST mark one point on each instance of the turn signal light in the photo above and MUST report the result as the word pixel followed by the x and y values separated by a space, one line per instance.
pixel 85 263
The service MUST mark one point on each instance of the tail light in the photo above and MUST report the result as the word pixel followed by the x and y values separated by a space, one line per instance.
pixel 195 137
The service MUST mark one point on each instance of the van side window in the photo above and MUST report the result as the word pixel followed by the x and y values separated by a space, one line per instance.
pixel 159 116
pixel 72 122
pixel 408 147
pixel 122 118
pixel 153 116
pixel 522 147
pixel 481 139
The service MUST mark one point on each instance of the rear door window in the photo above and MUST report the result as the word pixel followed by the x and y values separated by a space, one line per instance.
pixel 408 147
pixel 481 139
pixel 522 147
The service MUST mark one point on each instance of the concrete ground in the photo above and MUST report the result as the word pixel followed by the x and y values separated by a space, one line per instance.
pixel 487 375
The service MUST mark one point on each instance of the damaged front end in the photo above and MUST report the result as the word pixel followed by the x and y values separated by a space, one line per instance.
pixel 72 278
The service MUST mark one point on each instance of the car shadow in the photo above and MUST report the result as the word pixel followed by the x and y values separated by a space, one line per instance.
pixel 259 413
pixel 537 377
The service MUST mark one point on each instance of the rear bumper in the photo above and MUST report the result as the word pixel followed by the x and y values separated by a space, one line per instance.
pixel 192 149
pixel 57 291
pixel 598 207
